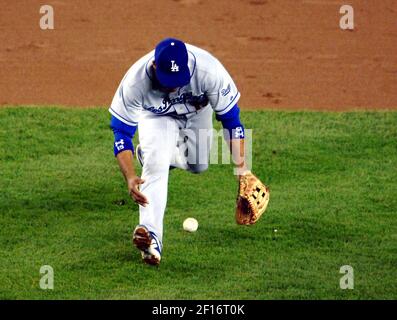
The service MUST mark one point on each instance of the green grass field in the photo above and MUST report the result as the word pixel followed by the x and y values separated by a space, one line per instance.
pixel 333 180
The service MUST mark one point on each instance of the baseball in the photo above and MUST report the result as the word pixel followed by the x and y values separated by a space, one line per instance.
pixel 190 225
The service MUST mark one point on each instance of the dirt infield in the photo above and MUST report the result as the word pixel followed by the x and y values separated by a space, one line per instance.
pixel 282 54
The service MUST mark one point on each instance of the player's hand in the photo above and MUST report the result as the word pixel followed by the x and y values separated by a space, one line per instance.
pixel 133 190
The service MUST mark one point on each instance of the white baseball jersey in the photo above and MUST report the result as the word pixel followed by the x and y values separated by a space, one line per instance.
pixel 208 79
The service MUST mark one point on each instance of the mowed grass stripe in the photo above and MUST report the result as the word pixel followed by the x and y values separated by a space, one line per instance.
pixel 333 202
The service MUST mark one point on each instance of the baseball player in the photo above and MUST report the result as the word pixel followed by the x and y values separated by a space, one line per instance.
pixel 170 95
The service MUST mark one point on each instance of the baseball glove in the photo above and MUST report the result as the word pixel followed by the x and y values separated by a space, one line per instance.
pixel 252 199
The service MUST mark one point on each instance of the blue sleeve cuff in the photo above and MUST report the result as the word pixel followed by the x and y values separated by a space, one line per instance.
pixel 123 135
pixel 116 124
pixel 122 143
pixel 231 123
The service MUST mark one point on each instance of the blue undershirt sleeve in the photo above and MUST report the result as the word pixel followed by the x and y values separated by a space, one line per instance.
pixel 123 134
pixel 231 122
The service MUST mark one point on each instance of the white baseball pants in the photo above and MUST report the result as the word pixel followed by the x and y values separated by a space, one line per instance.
pixel 166 141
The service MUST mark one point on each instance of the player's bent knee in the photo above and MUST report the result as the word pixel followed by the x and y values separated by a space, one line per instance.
pixel 198 168
pixel 154 166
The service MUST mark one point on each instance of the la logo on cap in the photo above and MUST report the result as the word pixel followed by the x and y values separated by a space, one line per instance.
pixel 174 66
pixel 172 59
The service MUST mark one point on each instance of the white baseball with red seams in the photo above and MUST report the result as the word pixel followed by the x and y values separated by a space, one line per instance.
pixel 190 225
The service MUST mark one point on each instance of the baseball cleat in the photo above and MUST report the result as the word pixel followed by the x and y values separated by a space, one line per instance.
pixel 149 245
pixel 139 154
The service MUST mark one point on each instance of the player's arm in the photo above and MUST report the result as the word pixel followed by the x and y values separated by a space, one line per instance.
pixel 123 151
pixel 237 149
pixel 234 136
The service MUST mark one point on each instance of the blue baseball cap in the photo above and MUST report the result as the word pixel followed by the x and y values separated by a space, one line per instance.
pixel 171 60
